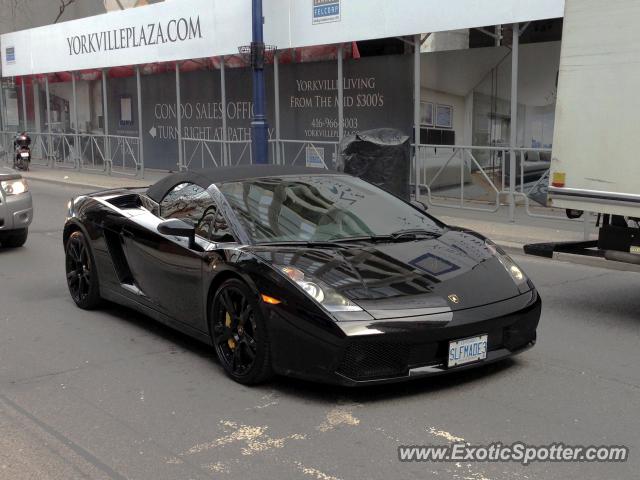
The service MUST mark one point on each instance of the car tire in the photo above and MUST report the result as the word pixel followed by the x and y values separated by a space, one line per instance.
pixel 15 239
pixel 82 277
pixel 239 333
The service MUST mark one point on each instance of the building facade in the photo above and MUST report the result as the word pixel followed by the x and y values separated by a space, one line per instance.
pixel 163 86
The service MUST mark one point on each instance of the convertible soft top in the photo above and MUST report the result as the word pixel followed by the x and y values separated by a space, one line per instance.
pixel 205 177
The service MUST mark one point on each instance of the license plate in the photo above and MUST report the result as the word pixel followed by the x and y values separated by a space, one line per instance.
pixel 467 350
pixel 23 155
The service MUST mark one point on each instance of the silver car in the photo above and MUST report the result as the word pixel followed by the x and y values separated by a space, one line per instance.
pixel 16 208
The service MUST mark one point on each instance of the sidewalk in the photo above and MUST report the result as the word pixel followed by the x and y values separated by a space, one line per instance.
pixel 85 179
pixel 511 236
pixel 524 230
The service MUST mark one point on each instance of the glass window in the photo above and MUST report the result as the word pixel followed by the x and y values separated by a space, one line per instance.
pixel 426 114
pixel 205 223
pixel 194 205
pixel 190 203
pixel 319 208
pixel 220 230
pixel 444 116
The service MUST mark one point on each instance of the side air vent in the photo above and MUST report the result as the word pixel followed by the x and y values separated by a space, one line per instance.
pixel 114 244
pixel 126 201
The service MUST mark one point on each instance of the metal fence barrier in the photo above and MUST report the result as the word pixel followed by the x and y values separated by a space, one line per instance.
pixel 122 154
pixel 540 185
pixel 40 150
pixel 320 154
pixel 452 178
pixel 6 147
pixel 92 152
pixel 58 149
pixel 199 153
pixel 462 177
pixel 479 178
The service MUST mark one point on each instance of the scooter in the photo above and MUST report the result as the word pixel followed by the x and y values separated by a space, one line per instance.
pixel 22 158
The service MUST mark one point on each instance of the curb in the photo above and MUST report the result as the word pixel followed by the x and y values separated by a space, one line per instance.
pixel 513 248
pixel 71 183
pixel 62 182
pixel 596 262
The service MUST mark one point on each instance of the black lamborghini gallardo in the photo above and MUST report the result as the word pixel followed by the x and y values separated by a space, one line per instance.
pixel 301 272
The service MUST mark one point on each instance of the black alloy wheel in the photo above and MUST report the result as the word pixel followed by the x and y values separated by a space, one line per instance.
pixel 239 334
pixel 81 276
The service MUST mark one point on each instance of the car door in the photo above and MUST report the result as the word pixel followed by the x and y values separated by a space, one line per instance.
pixel 166 270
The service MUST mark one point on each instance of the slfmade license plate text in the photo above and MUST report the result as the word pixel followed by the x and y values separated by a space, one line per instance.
pixel 467 350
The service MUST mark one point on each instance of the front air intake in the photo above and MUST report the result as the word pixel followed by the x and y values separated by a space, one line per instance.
pixel 367 361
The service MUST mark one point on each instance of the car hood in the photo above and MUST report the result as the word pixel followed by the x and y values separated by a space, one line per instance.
pixel 5 171
pixel 389 280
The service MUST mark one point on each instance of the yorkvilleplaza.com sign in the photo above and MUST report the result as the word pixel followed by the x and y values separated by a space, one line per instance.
pixel 159 32
pixel 175 30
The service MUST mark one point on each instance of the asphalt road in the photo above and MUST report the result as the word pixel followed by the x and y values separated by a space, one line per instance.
pixel 111 394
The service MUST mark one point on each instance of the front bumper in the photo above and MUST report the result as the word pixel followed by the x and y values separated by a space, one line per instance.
pixel 16 211
pixel 405 349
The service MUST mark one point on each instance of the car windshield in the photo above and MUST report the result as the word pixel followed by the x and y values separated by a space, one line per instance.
pixel 321 208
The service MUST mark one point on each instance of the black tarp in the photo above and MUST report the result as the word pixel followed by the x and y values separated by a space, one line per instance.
pixel 381 156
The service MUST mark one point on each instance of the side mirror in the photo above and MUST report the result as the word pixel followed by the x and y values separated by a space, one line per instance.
pixel 419 205
pixel 178 228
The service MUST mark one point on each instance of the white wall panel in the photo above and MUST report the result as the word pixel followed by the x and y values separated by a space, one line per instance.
pixel 224 25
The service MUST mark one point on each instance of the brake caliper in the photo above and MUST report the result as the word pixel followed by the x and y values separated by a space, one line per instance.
pixel 227 321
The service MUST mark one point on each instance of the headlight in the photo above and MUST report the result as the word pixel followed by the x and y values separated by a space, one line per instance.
pixel 320 292
pixel 15 186
pixel 507 262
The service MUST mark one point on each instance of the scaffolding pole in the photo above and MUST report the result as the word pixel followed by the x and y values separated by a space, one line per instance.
pixel 181 165
pixel 276 83
pixel 514 121
pixel 24 103
pixel 340 93
pixel 416 110
pixel 105 115
pixel 223 96
pixel 76 139
pixel 3 121
pixel 48 106
pixel 140 137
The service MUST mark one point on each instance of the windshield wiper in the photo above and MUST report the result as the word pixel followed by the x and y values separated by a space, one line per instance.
pixel 414 234
pixel 399 236
pixel 341 242
pixel 302 243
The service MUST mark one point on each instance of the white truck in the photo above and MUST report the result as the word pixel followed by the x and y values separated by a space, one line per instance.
pixel 595 164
